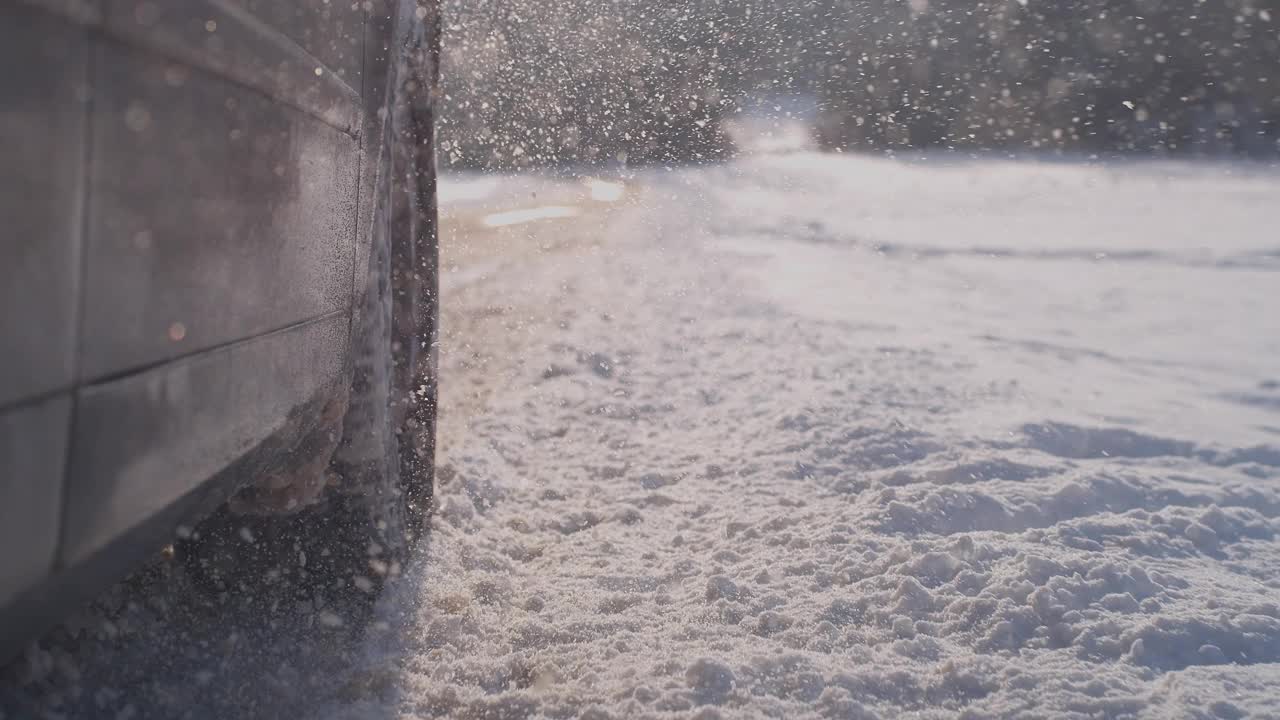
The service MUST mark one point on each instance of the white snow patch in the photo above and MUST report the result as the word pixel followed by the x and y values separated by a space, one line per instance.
pixel 823 478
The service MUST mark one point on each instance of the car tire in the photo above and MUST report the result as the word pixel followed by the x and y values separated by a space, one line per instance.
pixel 337 518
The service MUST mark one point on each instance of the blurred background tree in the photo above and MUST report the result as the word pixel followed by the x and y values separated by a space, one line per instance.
pixel 574 81
pixel 548 82
pixel 1087 75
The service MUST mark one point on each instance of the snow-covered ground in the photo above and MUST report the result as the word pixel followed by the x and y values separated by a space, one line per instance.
pixel 823 436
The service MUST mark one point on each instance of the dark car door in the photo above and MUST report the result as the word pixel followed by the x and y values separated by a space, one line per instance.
pixel 181 195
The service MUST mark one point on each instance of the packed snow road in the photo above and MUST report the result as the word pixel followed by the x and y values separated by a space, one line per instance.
pixel 819 436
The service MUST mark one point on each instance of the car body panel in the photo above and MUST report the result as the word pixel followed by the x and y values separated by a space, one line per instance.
pixel 373 90
pixel 33 450
pixel 306 53
pixel 224 38
pixel 42 131
pixel 185 269
pixel 80 11
pixel 259 238
pixel 142 442
pixel 333 32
